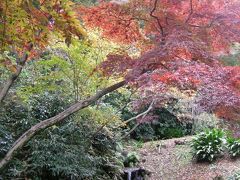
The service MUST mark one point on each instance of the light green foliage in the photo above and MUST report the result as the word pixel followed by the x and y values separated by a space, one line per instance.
pixel 82 147
pixel 28 21
pixel 86 2
pixel 233 146
pixel 208 145
pixel 234 58
pixel 69 70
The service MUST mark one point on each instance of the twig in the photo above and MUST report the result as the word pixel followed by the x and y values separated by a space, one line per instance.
pixel 191 12
pixel 129 100
pixel 142 114
pixel 4 23
pixel 158 20
pixel 206 26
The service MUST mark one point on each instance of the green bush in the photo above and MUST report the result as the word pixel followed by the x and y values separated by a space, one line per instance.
pixel 233 146
pixel 74 149
pixel 174 132
pixel 207 146
pixel 131 159
pixel 165 127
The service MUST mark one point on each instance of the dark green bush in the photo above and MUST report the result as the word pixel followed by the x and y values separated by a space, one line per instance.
pixel 131 159
pixel 67 152
pixel 208 145
pixel 165 127
pixel 74 149
pixel 233 146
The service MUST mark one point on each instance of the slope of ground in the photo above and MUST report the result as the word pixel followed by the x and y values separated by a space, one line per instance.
pixel 172 160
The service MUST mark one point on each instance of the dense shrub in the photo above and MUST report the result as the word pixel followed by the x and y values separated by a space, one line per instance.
pixel 166 126
pixel 70 152
pixel 233 146
pixel 131 159
pixel 75 149
pixel 208 145
pixel 67 152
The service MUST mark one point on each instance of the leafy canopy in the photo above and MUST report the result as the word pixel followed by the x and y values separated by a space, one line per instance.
pixel 31 23
pixel 179 43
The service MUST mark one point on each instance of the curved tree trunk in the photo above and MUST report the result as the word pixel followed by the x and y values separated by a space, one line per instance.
pixel 20 64
pixel 9 83
pixel 56 119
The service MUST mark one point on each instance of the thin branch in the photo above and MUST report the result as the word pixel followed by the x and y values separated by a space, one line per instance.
pixel 191 12
pixel 4 23
pixel 158 20
pixel 127 103
pixel 20 64
pixel 166 20
pixel 126 135
pixel 139 115
pixel 206 26
pixel 96 132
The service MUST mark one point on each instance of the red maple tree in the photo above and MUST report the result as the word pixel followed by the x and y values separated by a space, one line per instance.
pixel 180 42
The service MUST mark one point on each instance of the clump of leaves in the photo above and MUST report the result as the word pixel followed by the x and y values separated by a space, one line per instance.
pixel 207 146
pixel 131 159
pixel 233 146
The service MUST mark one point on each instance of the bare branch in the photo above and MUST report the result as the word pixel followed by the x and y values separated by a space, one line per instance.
pixel 127 103
pixel 191 12
pixel 139 115
pixel 20 64
pixel 126 135
pixel 208 25
pixel 158 20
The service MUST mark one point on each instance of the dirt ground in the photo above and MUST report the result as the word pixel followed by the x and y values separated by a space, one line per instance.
pixel 172 160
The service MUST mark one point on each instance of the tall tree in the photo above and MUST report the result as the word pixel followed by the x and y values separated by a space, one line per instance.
pixel 180 43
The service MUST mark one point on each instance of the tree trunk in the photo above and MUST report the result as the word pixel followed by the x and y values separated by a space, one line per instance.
pixel 56 119
pixel 21 62
pixel 9 83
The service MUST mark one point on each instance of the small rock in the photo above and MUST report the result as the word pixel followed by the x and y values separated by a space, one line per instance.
pixel 144 153
pixel 180 142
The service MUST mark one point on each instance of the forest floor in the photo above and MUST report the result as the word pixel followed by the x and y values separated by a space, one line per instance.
pixel 172 160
